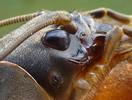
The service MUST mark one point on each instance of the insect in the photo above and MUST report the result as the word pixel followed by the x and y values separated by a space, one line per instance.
pixel 67 56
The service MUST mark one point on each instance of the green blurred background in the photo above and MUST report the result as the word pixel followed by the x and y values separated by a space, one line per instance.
pixel 9 8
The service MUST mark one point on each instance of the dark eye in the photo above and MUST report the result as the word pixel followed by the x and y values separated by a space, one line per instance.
pixel 57 39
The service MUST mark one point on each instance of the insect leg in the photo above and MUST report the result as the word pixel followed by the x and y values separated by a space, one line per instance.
pixel 97 13
pixel 127 30
pixel 112 42
pixel 101 12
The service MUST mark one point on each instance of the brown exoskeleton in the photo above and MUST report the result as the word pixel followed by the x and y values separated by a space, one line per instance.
pixel 72 56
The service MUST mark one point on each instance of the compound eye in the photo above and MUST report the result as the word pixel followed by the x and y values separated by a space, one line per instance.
pixel 57 39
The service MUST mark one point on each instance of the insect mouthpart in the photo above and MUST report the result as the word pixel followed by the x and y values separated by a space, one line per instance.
pixel 94 46
pixel 81 57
